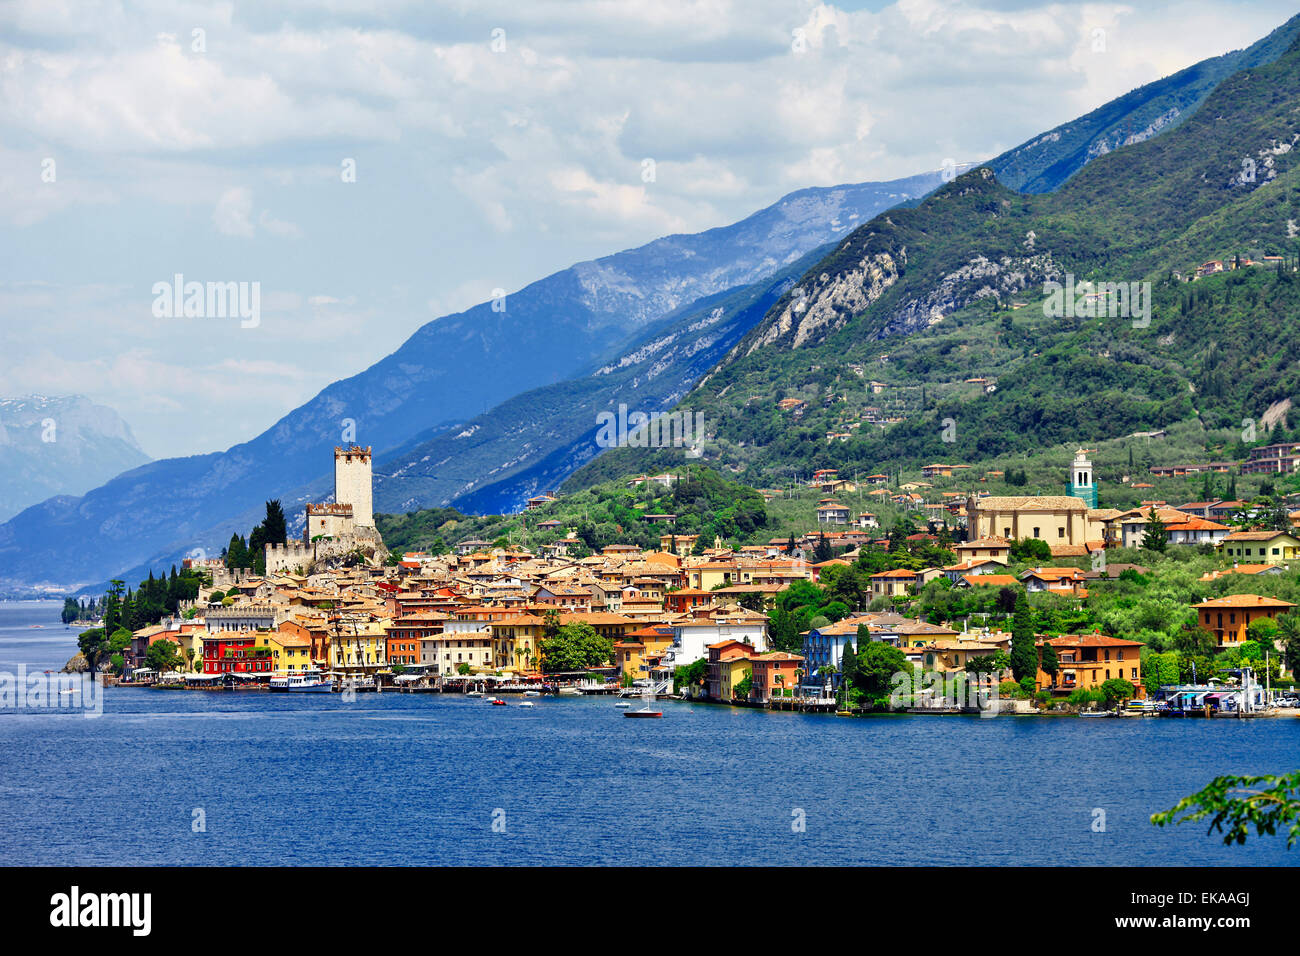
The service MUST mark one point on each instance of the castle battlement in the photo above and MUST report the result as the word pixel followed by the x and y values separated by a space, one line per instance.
pixel 293 557
pixel 330 508
pixel 352 453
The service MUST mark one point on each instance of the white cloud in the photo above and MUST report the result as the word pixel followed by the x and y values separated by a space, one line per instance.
pixel 233 216
pixel 475 169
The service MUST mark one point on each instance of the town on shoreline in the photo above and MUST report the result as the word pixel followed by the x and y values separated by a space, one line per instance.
pixel 1041 604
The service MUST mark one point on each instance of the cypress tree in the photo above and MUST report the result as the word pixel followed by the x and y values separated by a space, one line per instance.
pixel 274 527
pixel 1024 655
pixel 1051 662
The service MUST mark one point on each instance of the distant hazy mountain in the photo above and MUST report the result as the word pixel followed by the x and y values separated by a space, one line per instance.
pixel 59 446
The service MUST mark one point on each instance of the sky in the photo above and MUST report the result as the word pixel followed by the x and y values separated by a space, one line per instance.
pixel 374 165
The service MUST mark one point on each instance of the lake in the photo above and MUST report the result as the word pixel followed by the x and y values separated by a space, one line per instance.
pixel 251 778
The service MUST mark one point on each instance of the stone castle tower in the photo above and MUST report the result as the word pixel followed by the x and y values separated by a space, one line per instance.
pixel 352 483
pixel 335 530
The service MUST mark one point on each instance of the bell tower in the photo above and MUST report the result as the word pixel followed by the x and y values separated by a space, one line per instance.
pixel 1082 484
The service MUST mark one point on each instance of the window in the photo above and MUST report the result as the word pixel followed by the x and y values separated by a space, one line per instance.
pixel 1036 533
pixel 1060 532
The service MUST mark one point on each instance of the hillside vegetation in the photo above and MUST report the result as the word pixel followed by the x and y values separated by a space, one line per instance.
pixel 921 300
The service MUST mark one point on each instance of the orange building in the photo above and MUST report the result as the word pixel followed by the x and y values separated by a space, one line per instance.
pixel 774 674
pixel 1089 660
pixel 683 599
pixel 1228 617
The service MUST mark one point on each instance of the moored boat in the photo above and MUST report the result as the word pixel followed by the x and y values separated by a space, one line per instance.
pixel 307 682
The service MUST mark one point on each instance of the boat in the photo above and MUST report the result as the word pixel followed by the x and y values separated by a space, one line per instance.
pixel 622 703
pixel 473 693
pixel 497 702
pixel 647 697
pixel 307 682
pixel 526 703
pixel 532 693
pixel 1097 713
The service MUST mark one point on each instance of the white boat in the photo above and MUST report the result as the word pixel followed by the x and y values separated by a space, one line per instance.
pixel 532 693
pixel 646 709
pixel 474 693
pixel 526 703
pixel 308 682
pixel 622 703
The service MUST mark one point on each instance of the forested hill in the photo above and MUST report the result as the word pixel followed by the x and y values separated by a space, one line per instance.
pixel 923 301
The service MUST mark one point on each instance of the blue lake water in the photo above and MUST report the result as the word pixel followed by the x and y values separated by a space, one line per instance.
pixel 421 779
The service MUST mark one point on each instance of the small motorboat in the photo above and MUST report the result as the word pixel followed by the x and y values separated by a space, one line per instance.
pixel 525 703
pixel 497 702
pixel 622 703
pixel 474 693
pixel 532 693
pixel 1097 713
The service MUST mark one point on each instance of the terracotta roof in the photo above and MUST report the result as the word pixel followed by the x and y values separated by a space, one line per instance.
pixel 1090 640
pixel 1243 601
pixel 989 580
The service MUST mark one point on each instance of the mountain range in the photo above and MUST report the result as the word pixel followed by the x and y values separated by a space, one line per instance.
pixel 62 445
pixel 514 413
pixel 986 323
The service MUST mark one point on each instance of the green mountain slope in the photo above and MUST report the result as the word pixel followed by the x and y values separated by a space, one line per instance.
pixel 1047 161
pixel 922 299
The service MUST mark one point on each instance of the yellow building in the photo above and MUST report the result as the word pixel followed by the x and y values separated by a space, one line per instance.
pixel 516 642
pixel 730 673
pixel 706 577
pixel 1056 519
pixel 893 583
pixel 1260 547
pixel 360 648
pixel 290 652
pixel 635 654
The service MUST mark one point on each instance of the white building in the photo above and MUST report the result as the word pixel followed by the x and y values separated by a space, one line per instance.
pixel 691 639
